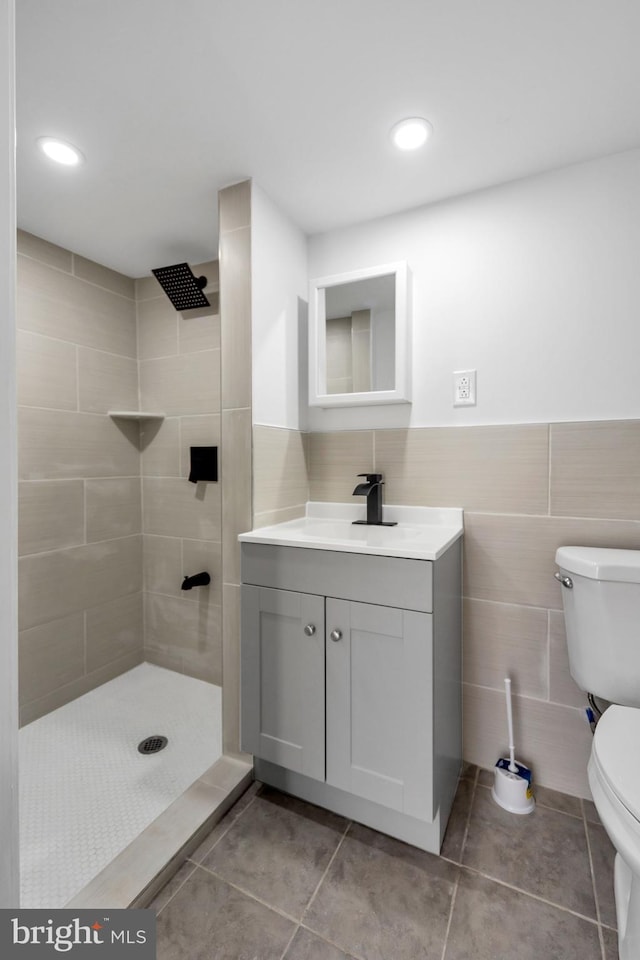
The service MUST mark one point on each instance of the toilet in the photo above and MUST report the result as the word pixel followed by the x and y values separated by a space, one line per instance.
pixel 601 599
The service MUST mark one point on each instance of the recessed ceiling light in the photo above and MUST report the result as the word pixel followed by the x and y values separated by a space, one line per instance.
pixel 411 133
pixel 60 151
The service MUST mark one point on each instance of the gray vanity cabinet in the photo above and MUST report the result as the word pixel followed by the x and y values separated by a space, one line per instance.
pixel 350 682
pixel 283 678
pixel 378 717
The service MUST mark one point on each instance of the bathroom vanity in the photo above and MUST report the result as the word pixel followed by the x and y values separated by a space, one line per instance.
pixel 351 664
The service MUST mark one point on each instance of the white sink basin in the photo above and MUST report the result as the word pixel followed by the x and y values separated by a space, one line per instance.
pixel 422 533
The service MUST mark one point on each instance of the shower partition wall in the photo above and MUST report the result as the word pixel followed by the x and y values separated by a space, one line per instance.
pixel 109 526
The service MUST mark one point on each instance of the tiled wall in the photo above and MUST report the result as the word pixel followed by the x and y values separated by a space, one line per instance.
pixel 80 568
pixel 280 482
pixel 179 361
pixel 234 206
pixel 525 489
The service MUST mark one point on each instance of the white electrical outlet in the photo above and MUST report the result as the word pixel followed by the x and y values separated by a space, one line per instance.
pixel 464 388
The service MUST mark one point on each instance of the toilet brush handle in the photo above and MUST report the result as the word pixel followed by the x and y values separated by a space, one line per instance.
pixel 513 768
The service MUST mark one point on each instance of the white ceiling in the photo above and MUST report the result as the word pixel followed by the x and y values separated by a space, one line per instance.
pixel 172 99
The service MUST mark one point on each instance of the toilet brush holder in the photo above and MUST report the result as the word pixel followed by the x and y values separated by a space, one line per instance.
pixel 512 791
pixel 512 786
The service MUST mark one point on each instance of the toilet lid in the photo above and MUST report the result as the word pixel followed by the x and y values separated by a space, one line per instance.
pixel 616 745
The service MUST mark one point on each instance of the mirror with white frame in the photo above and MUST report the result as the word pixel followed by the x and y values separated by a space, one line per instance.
pixel 358 337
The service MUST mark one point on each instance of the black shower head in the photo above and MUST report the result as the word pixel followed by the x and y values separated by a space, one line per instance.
pixel 181 286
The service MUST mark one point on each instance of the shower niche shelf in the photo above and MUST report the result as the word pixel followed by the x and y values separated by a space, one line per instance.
pixel 136 414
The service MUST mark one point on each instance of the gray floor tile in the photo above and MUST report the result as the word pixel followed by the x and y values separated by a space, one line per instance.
pixel 493 922
pixel 563 802
pixel 469 771
pixel 610 938
pixel 209 920
pixel 457 825
pixel 223 825
pixel 172 887
pixel 486 777
pixel 278 850
pixel 590 812
pixel 384 900
pixel 307 946
pixel 544 852
pixel 603 854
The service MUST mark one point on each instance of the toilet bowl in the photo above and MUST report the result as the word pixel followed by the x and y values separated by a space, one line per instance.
pixel 614 778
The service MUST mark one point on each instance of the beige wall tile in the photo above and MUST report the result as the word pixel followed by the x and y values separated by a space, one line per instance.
pixel 234 206
pixel 147 288
pixel 54 585
pixel 553 740
pixel 503 640
pixel 103 276
pixel 201 431
pixel 168 560
pixel 499 469
pixel 511 559
pixel 106 381
pixel 231 669
pixel 211 270
pixel 59 445
pixel 236 488
pixel 162 565
pixel 113 508
pixel 114 630
pixel 182 385
pixel 235 318
pixel 163 658
pixel 46 372
pixel 279 469
pixel 334 462
pixel 563 687
pixel 199 555
pixel 67 308
pixel 200 329
pixel 161 448
pixel 51 656
pixel 38 708
pixel 177 508
pixel 204 662
pixel 45 252
pixel 270 517
pixel 595 469
pixel 191 631
pixel 50 515
pixel 157 328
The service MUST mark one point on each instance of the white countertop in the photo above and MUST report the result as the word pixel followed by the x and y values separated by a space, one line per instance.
pixel 422 533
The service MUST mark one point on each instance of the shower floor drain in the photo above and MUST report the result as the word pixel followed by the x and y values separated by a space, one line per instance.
pixel 152 744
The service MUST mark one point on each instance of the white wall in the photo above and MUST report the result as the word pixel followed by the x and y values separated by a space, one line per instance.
pixel 278 296
pixel 9 888
pixel 534 283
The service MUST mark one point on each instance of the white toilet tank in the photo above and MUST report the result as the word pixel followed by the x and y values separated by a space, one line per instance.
pixel 602 618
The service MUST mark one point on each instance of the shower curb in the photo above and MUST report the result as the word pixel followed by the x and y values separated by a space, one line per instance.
pixel 138 873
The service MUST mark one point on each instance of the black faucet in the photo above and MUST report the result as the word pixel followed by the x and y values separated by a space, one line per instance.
pixel 197 580
pixel 372 490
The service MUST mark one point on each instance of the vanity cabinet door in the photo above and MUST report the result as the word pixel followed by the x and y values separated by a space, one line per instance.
pixel 283 672
pixel 380 705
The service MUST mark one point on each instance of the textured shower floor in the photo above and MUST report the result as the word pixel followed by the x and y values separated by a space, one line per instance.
pixel 86 792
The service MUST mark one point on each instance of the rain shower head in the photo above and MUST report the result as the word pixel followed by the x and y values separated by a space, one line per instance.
pixel 181 286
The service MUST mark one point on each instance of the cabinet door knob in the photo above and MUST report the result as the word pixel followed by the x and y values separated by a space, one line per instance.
pixel 336 635
pixel 310 629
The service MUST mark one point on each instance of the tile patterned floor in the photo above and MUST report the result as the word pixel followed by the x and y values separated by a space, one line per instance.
pixel 280 879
